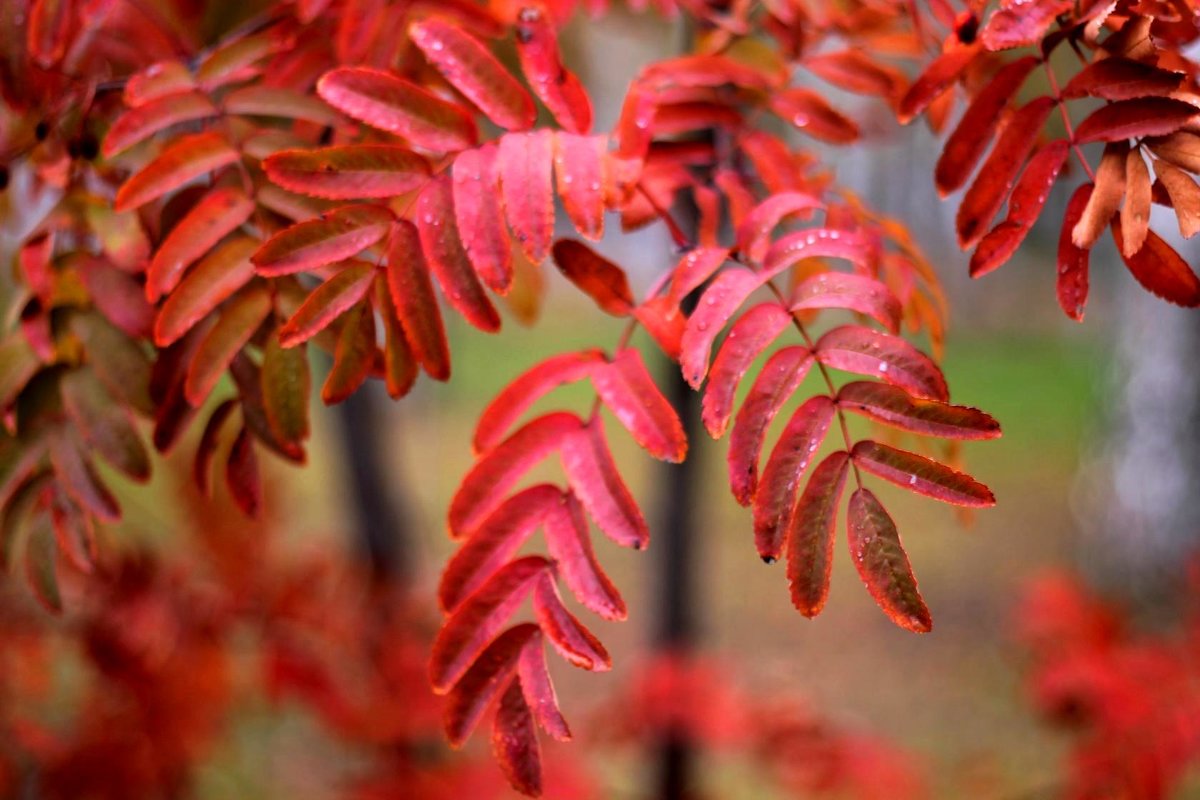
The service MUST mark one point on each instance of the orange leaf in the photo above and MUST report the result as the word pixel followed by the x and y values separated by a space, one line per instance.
pixel 221 273
pixel 1135 214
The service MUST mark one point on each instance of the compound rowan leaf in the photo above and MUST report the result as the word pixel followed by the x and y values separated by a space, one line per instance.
pixel 594 479
pixel 921 475
pixel 484 486
pixel 783 372
pixel 471 69
pixel 475 623
pixel 105 425
pixel 483 682
pixel 218 275
pixel 753 234
pixel 444 252
pixel 514 742
pixel 852 292
pixel 998 173
pixel 810 534
pixel 416 305
pixel 1135 213
pixel 595 276
pixel 183 161
pixel 141 122
pixel 348 172
pixel 242 475
pixel 286 386
pixel 717 305
pixel 556 86
pixel 974 131
pixel 810 113
pixel 889 358
pixel 893 406
pixel 1117 78
pixel 1160 269
pixel 219 213
pixel 327 302
pixel 934 81
pixel 354 357
pixel 747 339
pixel 389 103
pixel 495 542
pixel 334 236
pixel 625 386
pixel 581 178
pixel 1129 119
pixel 237 322
pixel 1184 194
pixel 776 492
pixel 480 217
pixel 569 637
pixel 516 398
pixel 539 691
pixel 883 565
pixel 525 163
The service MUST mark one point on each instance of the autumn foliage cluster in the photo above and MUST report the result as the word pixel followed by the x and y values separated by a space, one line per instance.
pixel 339 174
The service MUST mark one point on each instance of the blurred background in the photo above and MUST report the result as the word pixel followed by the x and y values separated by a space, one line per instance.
pixel 1097 473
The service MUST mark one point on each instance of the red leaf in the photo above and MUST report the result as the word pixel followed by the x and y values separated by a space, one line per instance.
pixel 974 131
pixel 1021 24
pixel 219 213
pixel 354 357
pixel 817 243
pixel 477 621
pixel 855 71
pixel 1121 79
pixel 50 23
pixel 348 172
pixel 811 114
pixel 473 70
pixel 483 682
pixel 663 319
pixel 207 446
pixel 746 340
pixel 488 481
pixel 445 254
pixel 1160 269
pixel 888 358
pixel 221 273
pixel 77 476
pixel 893 406
pixel 416 305
pixel 495 542
pixel 1072 288
pixel 399 364
pixel 594 479
pixel 573 642
pixel 999 172
pixel 515 744
pixel 852 292
pixel 571 548
pixel 107 426
pixel 479 216
pixel 936 79
pixel 41 569
pixel 525 161
pixel 539 691
pixel 327 302
pixel 694 269
pixel 580 175
pixel 516 398
pixel 883 565
pixel 241 475
pixel 141 122
pixel 236 324
pixel 119 297
pixel 1130 119
pixel 334 236
pixel 776 492
pixel 707 71
pixel 157 80
pixel 1024 206
pixel 810 534
pixel 631 394
pixel 921 475
pixel 392 104
pixel 286 387
pixel 186 159
pixel 753 235
pixel 275 101
pixel 720 301
pixel 556 86
pixel 780 376
pixel 595 276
